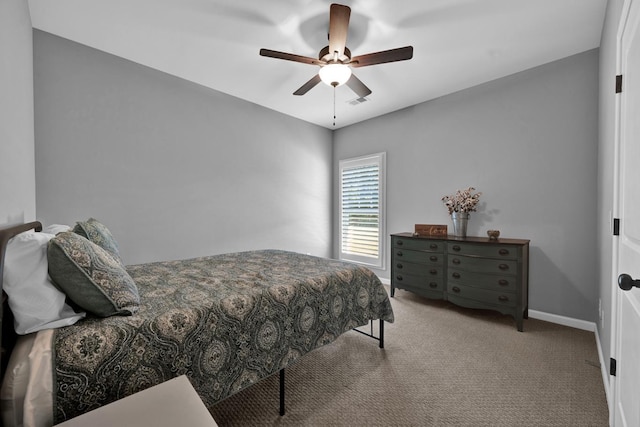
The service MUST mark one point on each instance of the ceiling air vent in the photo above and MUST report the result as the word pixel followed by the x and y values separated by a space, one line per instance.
pixel 357 101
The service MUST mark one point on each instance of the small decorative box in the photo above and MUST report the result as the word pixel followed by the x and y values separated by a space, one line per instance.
pixel 431 230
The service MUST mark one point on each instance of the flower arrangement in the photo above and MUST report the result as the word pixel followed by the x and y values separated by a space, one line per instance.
pixel 462 201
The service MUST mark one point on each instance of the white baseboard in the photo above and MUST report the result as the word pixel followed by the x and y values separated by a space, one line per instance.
pixel 562 320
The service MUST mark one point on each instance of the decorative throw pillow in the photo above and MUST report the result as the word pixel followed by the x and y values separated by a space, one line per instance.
pixel 98 233
pixel 91 277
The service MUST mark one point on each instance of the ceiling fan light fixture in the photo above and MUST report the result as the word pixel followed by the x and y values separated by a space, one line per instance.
pixel 335 74
pixel 335 59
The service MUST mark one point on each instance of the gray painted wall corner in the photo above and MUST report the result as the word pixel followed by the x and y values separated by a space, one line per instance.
pixel 17 165
pixel 529 143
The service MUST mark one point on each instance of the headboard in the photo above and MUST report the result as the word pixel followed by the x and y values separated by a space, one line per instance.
pixel 7 332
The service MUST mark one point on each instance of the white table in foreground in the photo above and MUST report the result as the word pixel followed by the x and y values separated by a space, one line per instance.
pixel 172 403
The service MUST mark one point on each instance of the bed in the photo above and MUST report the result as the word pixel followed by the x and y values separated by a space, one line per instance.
pixel 225 321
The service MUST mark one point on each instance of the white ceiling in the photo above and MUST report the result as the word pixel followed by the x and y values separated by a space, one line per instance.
pixel 215 43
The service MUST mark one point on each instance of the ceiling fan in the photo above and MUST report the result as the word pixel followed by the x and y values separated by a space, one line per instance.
pixel 335 60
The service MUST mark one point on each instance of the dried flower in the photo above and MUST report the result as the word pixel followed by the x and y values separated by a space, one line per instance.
pixel 462 201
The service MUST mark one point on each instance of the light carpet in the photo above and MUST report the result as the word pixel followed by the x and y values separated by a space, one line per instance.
pixel 442 365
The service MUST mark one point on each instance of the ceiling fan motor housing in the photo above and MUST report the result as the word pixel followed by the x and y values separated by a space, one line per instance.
pixel 327 56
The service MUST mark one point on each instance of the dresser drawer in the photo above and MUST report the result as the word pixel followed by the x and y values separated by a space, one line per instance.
pixel 494 282
pixel 483 265
pixel 418 244
pixel 400 267
pixel 487 250
pixel 418 281
pixel 406 255
pixel 492 297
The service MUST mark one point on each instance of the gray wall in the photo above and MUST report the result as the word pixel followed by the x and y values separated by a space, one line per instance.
pixel 178 170
pixel 607 282
pixel 529 143
pixel 17 175
pixel 173 169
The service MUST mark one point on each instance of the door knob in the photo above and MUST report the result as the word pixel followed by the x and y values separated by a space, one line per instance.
pixel 626 282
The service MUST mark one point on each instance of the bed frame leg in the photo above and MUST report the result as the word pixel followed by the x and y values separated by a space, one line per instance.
pixel 281 392
pixel 381 345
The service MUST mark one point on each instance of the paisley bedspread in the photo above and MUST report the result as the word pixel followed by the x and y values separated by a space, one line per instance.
pixel 225 321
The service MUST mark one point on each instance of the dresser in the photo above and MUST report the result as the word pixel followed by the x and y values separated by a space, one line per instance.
pixel 472 272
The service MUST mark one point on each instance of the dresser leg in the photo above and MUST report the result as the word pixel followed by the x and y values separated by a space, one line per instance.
pixel 393 291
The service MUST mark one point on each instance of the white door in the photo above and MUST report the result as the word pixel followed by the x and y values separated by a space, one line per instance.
pixel 627 388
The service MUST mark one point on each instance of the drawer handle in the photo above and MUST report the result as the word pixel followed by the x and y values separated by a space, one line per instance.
pixel 503 282
pixel 399 243
pixel 456 248
pixel 503 267
pixel 503 252
pixel 399 265
pixel 433 258
pixel 456 261
pixel 433 271
pixel 399 277
pixel 433 285
pixel 456 289
pixel 456 275
pixel 433 246
pixel 503 298
pixel 399 253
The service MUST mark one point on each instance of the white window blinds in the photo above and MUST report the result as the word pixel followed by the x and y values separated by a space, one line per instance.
pixel 361 209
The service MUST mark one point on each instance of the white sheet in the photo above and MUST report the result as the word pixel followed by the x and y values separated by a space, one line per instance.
pixel 26 396
pixel 15 382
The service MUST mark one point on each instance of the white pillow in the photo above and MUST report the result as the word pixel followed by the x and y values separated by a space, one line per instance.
pixel 35 302
pixel 55 229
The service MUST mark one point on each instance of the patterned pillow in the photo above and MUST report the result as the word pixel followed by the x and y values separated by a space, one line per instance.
pixel 91 277
pixel 98 233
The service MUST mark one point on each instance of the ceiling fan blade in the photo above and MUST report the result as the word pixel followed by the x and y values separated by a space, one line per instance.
pixel 290 57
pixel 308 85
pixel 391 55
pixel 356 85
pixel 338 27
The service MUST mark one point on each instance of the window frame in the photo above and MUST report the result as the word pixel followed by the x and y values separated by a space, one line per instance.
pixel 380 160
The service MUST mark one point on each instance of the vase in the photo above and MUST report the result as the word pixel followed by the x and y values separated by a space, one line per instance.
pixel 460 220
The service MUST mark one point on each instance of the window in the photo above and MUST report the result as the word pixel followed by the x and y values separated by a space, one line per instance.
pixel 362 209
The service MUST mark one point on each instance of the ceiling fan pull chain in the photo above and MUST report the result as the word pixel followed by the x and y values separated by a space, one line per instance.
pixel 334 105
